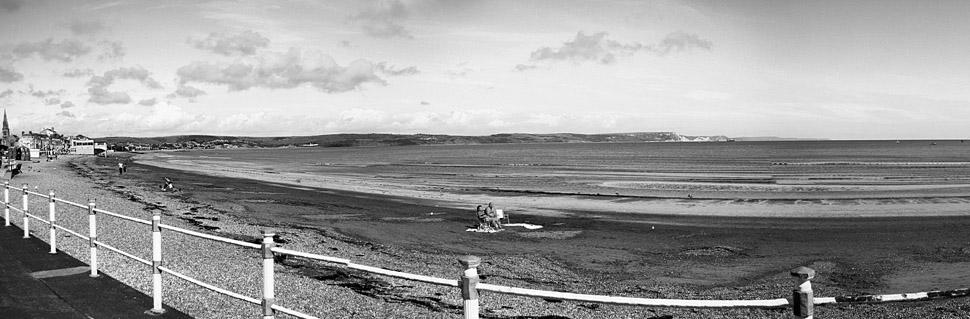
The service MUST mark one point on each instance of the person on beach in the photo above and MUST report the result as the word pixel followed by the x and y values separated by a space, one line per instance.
pixel 121 168
pixel 482 218
pixel 168 186
pixel 14 171
pixel 492 217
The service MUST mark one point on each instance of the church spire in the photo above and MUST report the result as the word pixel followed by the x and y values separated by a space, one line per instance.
pixel 6 127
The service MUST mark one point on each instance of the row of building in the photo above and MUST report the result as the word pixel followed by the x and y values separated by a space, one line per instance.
pixel 30 145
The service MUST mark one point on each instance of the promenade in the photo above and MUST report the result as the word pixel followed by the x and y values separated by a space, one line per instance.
pixel 36 284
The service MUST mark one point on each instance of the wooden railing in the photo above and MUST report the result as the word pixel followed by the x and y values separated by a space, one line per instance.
pixel 801 300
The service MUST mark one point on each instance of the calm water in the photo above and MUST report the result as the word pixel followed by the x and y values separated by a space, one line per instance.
pixel 877 168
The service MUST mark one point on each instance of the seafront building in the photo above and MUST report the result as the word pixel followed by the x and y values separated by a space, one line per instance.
pixel 47 142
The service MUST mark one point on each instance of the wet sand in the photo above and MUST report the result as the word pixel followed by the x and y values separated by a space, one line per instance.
pixel 623 253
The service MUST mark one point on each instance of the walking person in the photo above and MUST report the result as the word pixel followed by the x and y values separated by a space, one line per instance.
pixel 121 168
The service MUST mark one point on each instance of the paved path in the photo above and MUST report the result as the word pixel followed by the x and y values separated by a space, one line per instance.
pixel 36 284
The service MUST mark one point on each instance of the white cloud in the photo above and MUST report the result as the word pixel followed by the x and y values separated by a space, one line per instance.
pixel 393 71
pixel 42 93
pixel 77 73
pixel 242 43
pixel 187 91
pixel 64 51
pixel 11 5
pixel 86 27
pixel 9 75
pixel 596 47
pixel 384 20
pixel 98 85
pixel 111 50
pixel 678 42
pixel 130 73
pixel 101 95
pixel 148 102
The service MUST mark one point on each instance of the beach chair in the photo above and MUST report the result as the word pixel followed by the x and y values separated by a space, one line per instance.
pixel 501 214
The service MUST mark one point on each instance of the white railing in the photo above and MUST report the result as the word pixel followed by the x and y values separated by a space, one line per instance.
pixel 801 301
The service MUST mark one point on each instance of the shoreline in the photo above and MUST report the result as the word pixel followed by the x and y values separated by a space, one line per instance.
pixel 710 262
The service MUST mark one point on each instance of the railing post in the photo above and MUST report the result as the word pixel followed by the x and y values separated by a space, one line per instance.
pixel 469 279
pixel 52 218
pixel 6 203
pixel 93 236
pixel 269 284
pixel 802 300
pixel 156 261
pixel 26 218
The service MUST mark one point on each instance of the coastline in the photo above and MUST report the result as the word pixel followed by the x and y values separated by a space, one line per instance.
pixel 672 262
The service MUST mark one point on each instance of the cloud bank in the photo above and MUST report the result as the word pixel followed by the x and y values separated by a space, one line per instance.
pixel 284 70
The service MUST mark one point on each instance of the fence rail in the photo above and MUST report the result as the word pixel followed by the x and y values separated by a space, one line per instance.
pixel 801 300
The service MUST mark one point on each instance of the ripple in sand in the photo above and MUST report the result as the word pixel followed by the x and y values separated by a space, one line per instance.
pixel 715 251
pixel 559 234
pixel 413 219
pixel 260 200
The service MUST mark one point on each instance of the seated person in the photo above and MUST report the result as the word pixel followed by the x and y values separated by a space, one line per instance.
pixel 482 218
pixel 492 217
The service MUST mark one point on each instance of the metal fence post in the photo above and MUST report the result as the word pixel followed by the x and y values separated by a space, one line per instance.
pixel 52 218
pixel 93 236
pixel 469 279
pixel 6 203
pixel 269 284
pixel 802 300
pixel 26 218
pixel 156 261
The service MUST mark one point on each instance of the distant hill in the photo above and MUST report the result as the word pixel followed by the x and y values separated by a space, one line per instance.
pixel 342 140
pixel 773 138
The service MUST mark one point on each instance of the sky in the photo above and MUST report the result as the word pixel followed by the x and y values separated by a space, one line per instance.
pixel 870 69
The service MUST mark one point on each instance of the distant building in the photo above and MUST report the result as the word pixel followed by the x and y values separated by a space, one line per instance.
pixel 81 147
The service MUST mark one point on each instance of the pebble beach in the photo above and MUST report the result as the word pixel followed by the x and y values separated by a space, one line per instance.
pixel 328 291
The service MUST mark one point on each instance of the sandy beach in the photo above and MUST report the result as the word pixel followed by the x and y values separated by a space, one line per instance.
pixel 689 256
pixel 731 199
